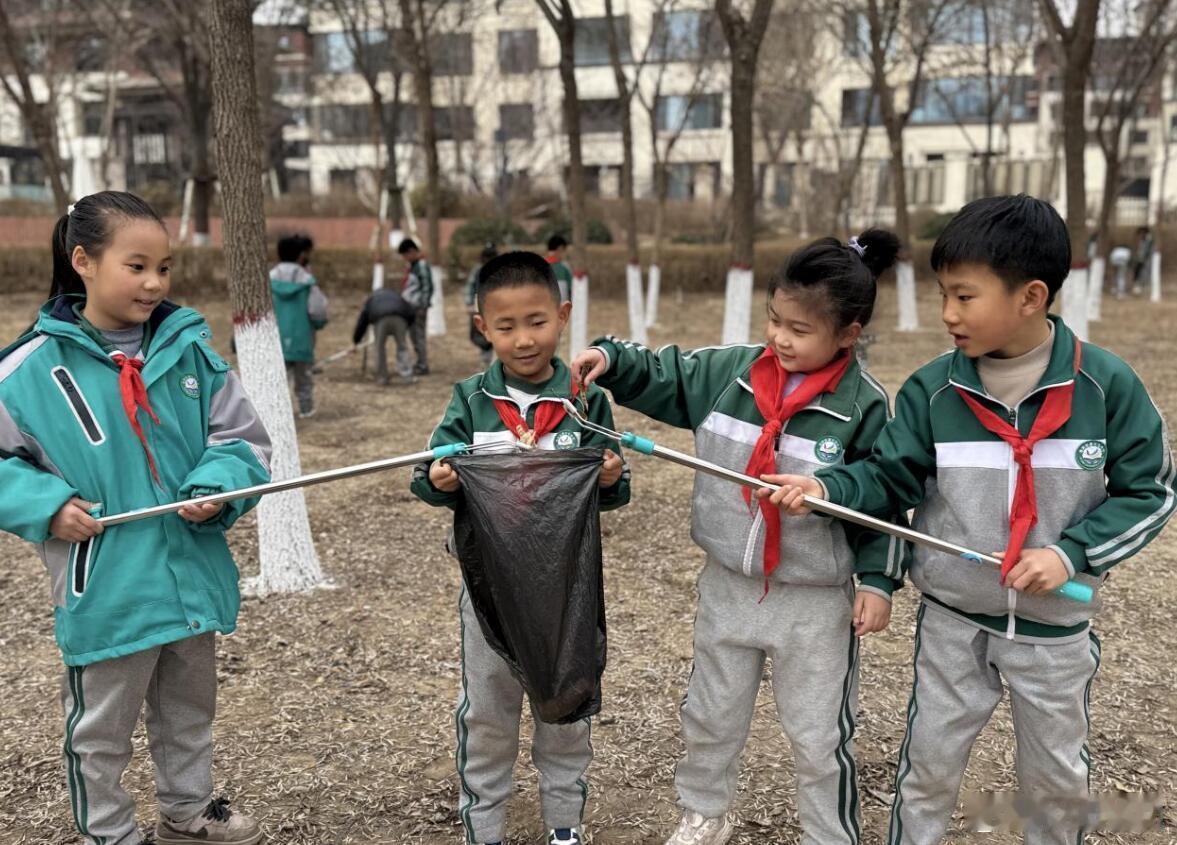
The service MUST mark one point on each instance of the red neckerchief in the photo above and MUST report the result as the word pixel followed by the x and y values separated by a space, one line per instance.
pixel 134 395
pixel 768 379
pixel 547 417
pixel 1055 411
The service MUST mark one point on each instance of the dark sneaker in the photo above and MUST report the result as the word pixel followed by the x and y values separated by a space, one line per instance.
pixel 565 836
pixel 420 371
pixel 217 824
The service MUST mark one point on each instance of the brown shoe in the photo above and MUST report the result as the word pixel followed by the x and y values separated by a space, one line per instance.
pixel 217 824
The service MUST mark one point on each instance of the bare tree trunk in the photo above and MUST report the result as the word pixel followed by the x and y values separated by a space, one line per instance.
pixel 40 118
pixel 624 97
pixel 287 551
pixel 417 42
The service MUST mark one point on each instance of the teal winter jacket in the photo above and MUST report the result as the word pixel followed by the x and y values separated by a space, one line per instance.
pixel 64 433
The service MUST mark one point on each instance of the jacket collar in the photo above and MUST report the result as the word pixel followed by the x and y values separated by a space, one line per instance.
pixel 962 370
pixel 58 318
pixel 496 380
pixel 838 404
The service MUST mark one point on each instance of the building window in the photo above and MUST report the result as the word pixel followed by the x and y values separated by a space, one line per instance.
pixel 452 54
pixel 686 36
pixel 343 180
pixel 91 53
pixel 518 51
pixel 706 112
pixel 149 148
pixel 854 101
pixel 345 123
pixel 335 52
pixel 600 116
pixel 517 121
pixel 782 189
pixel 963 99
pixel 93 115
pixel 454 123
pixel 592 40
pixel 289 80
pixel 855 34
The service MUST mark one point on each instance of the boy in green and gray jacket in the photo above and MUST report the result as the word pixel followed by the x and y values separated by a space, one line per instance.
pixel 1026 442
pixel 520 313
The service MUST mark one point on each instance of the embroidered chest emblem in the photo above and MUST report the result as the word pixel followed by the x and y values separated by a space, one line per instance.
pixel 190 384
pixel 1091 454
pixel 828 449
pixel 565 440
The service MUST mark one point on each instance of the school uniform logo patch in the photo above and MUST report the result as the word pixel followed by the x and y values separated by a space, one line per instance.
pixel 1091 454
pixel 565 440
pixel 828 449
pixel 190 384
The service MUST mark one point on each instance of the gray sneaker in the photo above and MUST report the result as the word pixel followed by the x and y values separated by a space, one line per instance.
pixel 217 824
pixel 696 829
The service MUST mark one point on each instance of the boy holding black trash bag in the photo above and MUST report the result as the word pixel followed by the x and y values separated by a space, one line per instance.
pixel 527 533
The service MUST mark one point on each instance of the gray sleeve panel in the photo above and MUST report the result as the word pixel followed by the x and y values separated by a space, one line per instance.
pixel 317 304
pixel 232 416
pixel 15 443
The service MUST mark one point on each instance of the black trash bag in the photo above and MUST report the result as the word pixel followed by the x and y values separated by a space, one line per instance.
pixel 527 532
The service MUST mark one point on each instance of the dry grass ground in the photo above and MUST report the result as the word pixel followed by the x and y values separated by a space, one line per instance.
pixel 335 710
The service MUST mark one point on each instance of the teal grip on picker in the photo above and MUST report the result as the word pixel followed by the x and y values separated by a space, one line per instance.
pixel 639 444
pixel 1076 592
pixel 449 450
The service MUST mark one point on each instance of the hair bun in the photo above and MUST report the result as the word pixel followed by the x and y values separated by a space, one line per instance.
pixel 880 248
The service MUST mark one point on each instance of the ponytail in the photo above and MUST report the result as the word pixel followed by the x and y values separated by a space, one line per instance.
pixel 90 224
pixel 66 280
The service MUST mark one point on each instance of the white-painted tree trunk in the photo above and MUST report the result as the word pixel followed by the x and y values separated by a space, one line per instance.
pixel 395 236
pixel 578 324
pixel 1154 277
pixel 1075 301
pixel 737 305
pixel 1095 289
pixel 186 212
pixel 288 559
pixel 653 292
pixel 378 275
pixel 435 317
pixel 637 303
pixel 909 316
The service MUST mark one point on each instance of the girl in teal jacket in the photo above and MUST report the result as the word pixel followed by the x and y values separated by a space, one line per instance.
pixel 115 400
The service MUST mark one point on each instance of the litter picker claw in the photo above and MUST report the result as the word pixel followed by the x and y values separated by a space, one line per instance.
pixel 1072 589
pixel 439 453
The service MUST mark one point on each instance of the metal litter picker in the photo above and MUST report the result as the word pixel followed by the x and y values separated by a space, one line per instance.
pixel 1072 589
pixel 300 481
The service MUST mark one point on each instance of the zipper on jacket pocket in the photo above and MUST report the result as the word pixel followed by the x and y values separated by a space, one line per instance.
pixel 79 405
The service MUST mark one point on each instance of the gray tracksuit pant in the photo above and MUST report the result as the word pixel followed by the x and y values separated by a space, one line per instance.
pixel 419 335
pixel 808 633
pixel 487 718
pixel 959 670
pixel 304 384
pixel 397 327
pixel 102 701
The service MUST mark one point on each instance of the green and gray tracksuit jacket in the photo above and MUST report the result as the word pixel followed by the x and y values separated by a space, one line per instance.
pixel 418 287
pixel 1104 484
pixel 300 309
pixel 708 391
pixel 64 433
pixel 471 418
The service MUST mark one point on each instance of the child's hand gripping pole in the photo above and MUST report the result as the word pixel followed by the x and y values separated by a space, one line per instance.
pixel 1072 589
pixel 439 453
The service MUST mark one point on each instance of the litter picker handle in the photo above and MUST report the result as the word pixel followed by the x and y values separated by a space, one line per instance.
pixel 447 451
pixel 1072 589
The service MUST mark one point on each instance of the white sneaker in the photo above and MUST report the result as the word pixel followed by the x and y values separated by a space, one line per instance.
pixel 565 836
pixel 694 829
pixel 217 824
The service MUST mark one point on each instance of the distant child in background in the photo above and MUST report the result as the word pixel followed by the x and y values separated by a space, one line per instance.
pixel 557 252
pixel 485 349
pixel 301 310
pixel 387 312
pixel 114 401
pixel 418 292
pixel 1141 258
